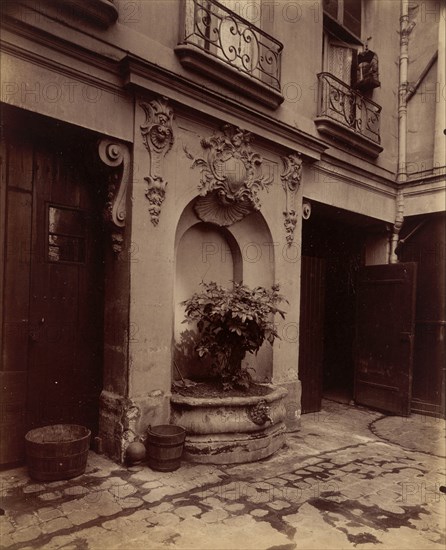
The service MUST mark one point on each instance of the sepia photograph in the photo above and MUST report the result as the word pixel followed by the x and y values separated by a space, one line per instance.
pixel 222 274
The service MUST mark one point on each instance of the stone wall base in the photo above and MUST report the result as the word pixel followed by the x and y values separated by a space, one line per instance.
pixel 292 405
pixel 122 420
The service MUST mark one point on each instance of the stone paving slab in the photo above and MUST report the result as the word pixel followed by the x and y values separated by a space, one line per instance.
pixel 336 484
pixel 430 432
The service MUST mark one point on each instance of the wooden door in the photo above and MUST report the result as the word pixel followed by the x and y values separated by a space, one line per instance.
pixel 52 360
pixel 311 332
pixel 66 309
pixel 385 336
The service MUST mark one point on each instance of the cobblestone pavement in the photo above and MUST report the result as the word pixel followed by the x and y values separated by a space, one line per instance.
pixel 351 478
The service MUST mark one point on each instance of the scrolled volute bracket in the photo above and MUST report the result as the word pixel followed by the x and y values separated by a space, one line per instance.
pixel 116 156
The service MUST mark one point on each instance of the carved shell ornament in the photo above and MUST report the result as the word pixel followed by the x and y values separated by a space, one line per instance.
pixel 231 176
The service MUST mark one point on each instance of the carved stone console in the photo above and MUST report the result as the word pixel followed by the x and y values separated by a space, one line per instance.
pixel 231 176
pixel 115 155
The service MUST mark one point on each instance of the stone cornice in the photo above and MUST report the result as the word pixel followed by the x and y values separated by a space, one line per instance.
pixel 348 169
pixel 25 32
pixel 380 186
pixel 145 76
pixel 62 69
pixel 429 178
pixel 425 188
pixel 101 13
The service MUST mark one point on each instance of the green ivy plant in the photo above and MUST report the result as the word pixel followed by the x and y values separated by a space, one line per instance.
pixel 232 322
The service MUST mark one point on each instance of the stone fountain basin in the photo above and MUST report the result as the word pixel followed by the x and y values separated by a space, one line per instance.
pixel 230 430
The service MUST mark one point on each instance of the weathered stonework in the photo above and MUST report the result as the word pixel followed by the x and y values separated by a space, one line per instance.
pixel 228 430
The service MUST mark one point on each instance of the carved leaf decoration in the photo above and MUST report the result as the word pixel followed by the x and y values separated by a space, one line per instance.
pixel 158 139
pixel 188 153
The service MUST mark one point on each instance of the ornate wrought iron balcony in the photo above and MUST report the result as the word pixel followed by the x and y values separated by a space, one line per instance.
pixel 228 48
pixel 345 114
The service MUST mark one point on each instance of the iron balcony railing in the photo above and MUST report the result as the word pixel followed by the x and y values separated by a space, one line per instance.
pixel 219 32
pixel 345 105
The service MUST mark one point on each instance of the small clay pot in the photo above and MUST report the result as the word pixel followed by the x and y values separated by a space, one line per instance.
pixel 136 453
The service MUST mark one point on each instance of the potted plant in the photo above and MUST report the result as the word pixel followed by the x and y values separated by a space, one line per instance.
pixel 241 421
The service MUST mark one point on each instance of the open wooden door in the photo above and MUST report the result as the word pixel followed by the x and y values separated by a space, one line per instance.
pixel 311 333
pixel 385 336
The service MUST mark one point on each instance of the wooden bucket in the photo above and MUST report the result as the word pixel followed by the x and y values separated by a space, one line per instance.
pixel 165 445
pixel 57 452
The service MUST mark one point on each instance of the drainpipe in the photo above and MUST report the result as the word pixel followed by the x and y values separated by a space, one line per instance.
pixel 405 29
pixel 440 114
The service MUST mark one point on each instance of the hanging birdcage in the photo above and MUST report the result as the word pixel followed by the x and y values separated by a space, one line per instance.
pixel 367 71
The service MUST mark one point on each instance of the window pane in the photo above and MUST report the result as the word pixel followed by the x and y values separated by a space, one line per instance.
pixel 66 249
pixel 67 230
pixel 352 16
pixel 331 7
pixel 66 221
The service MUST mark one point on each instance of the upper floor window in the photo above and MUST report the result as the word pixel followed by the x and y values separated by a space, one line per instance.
pixel 345 12
pixel 219 40
pixel 342 38
pixel 346 111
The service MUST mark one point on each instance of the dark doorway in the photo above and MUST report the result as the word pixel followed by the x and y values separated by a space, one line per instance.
pixel 53 279
pixel 332 246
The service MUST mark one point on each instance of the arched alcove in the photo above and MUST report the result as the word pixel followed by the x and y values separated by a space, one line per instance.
pixel 205 252
pixel 242 252
pixel 258 253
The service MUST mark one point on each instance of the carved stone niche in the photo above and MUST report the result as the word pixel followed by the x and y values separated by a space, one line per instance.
pixel 116 156
pixel 231 176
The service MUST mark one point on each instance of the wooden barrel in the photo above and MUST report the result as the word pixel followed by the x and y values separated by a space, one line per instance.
pixel 57 452
pixel 165 445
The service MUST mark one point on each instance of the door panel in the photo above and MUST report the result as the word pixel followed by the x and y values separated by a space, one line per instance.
pixel 15 221
pixel 311 332
pixel 384 337
pixel 66 296
pixel 52 300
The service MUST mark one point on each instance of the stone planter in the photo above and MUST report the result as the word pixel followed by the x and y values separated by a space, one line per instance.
pixel 230 430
